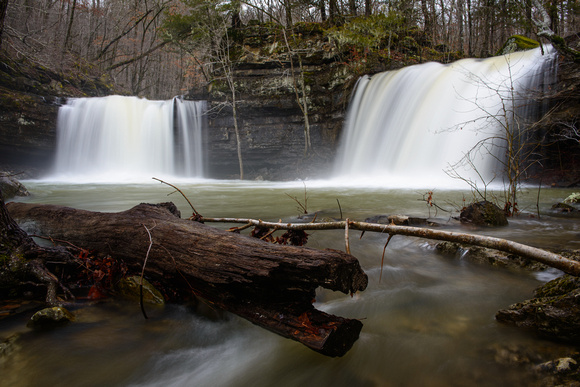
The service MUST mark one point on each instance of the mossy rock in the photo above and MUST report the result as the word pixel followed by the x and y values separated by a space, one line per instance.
pixel 554 312
pixel 483 213
pixel 518 43
pixel 558 287
pixel 50 317
pixel 130 288
pixel 564 208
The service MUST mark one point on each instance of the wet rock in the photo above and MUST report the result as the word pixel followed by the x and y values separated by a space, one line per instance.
pixel 509 354
pixel 50 317
pixel 482 255
pixel 8 346
pixel 564 208
pixel 554 312
pixel 11 187
pixel 559 366
pixel 130 288
pixel 483 213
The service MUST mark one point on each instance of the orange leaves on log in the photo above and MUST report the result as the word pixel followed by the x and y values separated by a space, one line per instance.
pixel 100 273
pixel 290 237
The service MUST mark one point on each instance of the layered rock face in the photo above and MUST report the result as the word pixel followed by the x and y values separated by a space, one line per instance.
pixel 30 97
pixel 271 120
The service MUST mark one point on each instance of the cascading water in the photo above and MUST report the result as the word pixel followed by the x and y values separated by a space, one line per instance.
pixel 409 128
pixel 120 138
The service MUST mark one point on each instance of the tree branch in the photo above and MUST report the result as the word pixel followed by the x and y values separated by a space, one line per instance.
pixel 548 258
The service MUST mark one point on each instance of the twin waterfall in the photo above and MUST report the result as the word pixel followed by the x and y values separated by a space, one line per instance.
pixel 410 127
pixel 404 128
pixel 123 139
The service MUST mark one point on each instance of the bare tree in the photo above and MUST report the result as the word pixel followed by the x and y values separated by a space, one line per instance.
pixel 508 127
pixel 3 7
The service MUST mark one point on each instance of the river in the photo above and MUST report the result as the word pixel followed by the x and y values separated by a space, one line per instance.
pixel 428 321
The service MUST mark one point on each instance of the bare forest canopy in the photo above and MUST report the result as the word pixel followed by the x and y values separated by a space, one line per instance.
pixel 162 48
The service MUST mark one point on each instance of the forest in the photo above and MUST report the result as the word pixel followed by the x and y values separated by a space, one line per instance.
pixel 161 48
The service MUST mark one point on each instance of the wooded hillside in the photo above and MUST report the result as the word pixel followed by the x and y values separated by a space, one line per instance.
pixel 130 40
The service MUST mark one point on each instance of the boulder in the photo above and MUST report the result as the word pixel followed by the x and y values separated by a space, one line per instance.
pixel 554 311
pixel 485 256
pixel 11 187
pixel 50 317
pixel 130 288
pixel 564 208
pixel 483 213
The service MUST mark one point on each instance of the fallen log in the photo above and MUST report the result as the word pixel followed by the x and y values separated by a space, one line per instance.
pixel 272 286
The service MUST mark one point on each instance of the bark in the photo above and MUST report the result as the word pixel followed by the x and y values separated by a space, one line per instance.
pixel 70 23
pixel 3 7
pixel 270 285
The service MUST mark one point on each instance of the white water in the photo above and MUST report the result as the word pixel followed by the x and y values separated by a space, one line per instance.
pixel 405 128
pixel 119 138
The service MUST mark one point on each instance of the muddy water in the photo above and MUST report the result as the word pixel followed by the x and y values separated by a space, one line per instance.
pixel 429 320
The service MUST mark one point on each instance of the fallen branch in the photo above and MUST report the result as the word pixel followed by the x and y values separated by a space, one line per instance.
pixel 548 258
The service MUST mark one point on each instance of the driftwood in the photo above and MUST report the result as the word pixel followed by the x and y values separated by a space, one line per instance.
pixel 272 286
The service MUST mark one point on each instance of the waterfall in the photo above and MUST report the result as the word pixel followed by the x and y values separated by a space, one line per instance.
pixel 118 138
pixel 410 127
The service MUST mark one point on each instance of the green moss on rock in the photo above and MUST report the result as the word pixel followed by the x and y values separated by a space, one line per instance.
pixel 518 43
pixel 130 288
pixel 50 317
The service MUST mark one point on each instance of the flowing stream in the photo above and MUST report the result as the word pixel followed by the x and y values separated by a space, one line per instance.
pixel 429 321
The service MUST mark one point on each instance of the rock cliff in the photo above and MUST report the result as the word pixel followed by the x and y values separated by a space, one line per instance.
pixel 30 96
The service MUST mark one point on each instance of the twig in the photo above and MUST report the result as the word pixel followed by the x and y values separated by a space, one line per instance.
pixel 245 226
pixel 143 271
pixel 178 190
pixel 346 240
pixel 298 202
pixel 383 258
pixel 339 208
pixel 538 199
pixel 269 233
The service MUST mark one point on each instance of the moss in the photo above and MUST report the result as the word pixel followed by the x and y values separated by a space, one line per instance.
pixel 130 288
pixel 517 43
pixel 4 259
pixel 558 287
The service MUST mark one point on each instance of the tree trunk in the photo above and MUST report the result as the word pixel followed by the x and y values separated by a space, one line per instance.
pixel 70 23
pixel 322 8
pixel 352 7
pixel 272 286
pixel 333 10
pixel 368 10
pixel 3 7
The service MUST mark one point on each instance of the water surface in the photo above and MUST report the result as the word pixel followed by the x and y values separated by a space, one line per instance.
pixel 429 321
